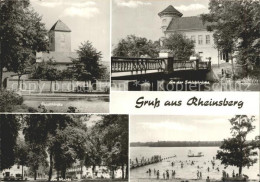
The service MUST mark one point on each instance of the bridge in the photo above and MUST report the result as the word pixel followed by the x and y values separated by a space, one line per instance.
pixel 154 69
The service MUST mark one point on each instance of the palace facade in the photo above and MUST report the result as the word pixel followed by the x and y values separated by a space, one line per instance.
pixel 192 27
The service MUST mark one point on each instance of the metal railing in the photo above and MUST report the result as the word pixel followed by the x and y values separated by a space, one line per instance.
pixel 183 65
pixel 126 64
pixel 120 64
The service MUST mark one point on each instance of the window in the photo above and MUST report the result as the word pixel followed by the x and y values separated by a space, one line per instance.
pixel 223 56
pixel 193 38
pixel 207 39
pixel 200 40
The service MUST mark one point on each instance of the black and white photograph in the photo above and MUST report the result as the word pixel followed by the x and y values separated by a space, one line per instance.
pixel 189 45
pixel 54 147
pixel 55 55
pixel 194 148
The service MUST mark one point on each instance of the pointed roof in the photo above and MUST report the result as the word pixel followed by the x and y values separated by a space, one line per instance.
pixel 60 26
pixel 170 10
pixel 187 23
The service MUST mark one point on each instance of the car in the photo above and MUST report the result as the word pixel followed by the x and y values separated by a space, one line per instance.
pixel 9 178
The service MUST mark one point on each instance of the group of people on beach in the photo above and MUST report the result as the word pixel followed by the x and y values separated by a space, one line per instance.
pixel 165 175
pixel 170 174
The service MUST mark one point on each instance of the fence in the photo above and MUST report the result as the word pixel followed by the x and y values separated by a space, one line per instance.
pixel 64 86
pixel 125 64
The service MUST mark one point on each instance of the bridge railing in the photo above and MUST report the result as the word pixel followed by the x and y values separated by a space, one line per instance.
pixel 126 64
pixel 123 64
pixel 204 65
pixel 183 65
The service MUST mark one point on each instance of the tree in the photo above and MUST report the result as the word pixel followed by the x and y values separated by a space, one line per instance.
pixel 21 35
pixel 46 70
pixel 133 46
pixel 93 156
pixel 87 66
pixel 113 131
pixel 35 134
pixel 181 46
pixel 21 153
pixel 236 28
pixel 9 132
pixel 68 146
pixel 36 157
pixel 237 151
pixel 9 101
pixel 61 135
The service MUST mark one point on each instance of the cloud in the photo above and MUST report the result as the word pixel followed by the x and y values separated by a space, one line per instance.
pixel 48 4
pixel 169 125
pixel 72 8
pixel 131 3
pixel 56 3
pixel 87 12
pixel 191 7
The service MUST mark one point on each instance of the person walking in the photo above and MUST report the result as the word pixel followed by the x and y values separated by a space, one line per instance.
pixel 158 174
pixel 167 174
pixel 208 180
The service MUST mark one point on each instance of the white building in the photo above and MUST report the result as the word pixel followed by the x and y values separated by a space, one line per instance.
pixel 86 172
pixel 193 28
pixel 14 172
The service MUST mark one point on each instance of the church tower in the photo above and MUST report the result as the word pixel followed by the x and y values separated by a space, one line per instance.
pixel 168 15
pixel 60 38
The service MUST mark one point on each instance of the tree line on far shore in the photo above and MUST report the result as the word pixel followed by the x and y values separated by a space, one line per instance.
pixel 177 144
pixel 47 142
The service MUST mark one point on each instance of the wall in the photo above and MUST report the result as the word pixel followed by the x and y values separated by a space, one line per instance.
pixel 208 50
pixel 65 86
pixel 62 41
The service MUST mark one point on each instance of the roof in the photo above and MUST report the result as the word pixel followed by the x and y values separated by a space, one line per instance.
pixel 60 26
pixel 58 57
pixel 187 23
pixel 170 10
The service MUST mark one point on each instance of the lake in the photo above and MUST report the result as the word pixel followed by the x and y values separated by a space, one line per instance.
pixel 188 171
pixel 183 85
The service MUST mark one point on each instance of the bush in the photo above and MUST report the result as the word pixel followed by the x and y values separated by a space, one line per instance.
pixel 8 100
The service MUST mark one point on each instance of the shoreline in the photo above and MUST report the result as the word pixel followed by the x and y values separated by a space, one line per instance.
pixel 183 180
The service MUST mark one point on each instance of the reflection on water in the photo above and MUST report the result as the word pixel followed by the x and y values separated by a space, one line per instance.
pixel 183 85
pixel 188 171
pixel 186 85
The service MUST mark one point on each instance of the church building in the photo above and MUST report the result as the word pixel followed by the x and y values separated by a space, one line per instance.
pixel 60 46
pixel 192 27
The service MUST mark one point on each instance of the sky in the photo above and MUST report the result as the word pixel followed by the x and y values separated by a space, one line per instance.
pixel 140 17
pixel 153 128
pixel 88 20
